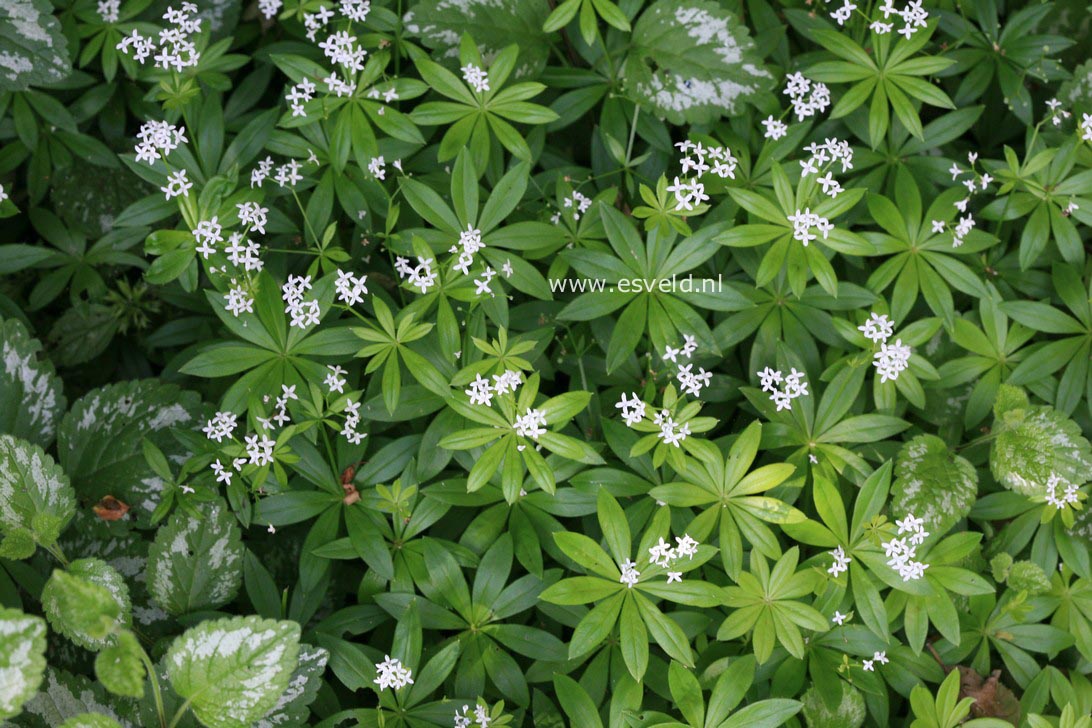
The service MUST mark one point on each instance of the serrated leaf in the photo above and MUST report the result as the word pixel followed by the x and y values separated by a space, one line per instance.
pixel 196 563
pixel 33 486
pixel 22 659
pixel 292 706
pixel 693 62
pixel 33 50
pixel 87 602
pixel 90 720
pixel 233 670
pixel 933 483
pixel 31 401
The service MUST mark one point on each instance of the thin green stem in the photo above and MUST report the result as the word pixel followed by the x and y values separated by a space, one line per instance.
pixel 178 715
pixel 157 695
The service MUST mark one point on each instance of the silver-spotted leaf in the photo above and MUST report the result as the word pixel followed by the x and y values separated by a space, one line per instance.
pixel 99 443
pixel 119 667
pixel 493 24
pixel 65 697
pixel 693 61
pixel 35 496
pixel 292 706
pixel 196 562
pixel 933 483
pixel 22 659
pixel 1034 442
pixel 233 671
pixel 31 401
pixel 33 50
pixel 90 720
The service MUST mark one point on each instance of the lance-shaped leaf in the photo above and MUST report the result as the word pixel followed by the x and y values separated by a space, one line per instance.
pixel 233 671
pixel 196 562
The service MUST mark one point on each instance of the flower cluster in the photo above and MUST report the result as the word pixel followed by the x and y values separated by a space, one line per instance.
pixel 350 289
pixel 221 425
pixel 688 193
pixel 830 151
pixel 303 313
pixel 913 16
pixel 803 222
pixel 470 242
pixel 352 419
pixel 633 410
pixel 392 674
pixel 175 51
pixel 532 424
pixel 901 551
pixel 1086 127
pixel 335 381
pixel 891 360
pixel 664 555
pixel 700 160
pixel 280 409
pixel 1057 113
pixel 259 450
pixel 877 328
pixel 783 389
pixel 671 432
pixel 774 128
pixel 238 300
pixel 157 140
pixel 880 657
pixel 298 95
pixel 270 8
pixel 841 562
pixel 476 77
pixel 341 48
pixel 630 575
pixel 482 391
pixel 109 10
pixel 1068 496
pixel 465 719
pixel 422 277
pixel 807 98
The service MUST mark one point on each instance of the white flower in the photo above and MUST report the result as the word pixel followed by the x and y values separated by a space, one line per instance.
pixel 220 426
pixel 392 674
pixel 839 618
pixel 686 546
pixel 880 657
pixel 938 226
pixel 270 8
pixel 207 234
pixel 223 475
pixel 807 98
pixel 662 554
pixel 475 77
pixel 335 381
pixel 901 552
pixel 844 13
pixel 238 300
pixel 877 328
pixel 1086 127
pixel 1068 497
pixel 3 194
pixel 794 386
pixel 288 174
pixel 674 576
pixel 630 575
pixel 891 360
pixel 867 666
pixel 178 185
pixel 260 449
pixel 253 215
pixel 775 129
pixel 633 410
pixel 841 562
pixel 480 392
pixel 350 289
pixel 532 424
pixel 109 10
pixel 803 222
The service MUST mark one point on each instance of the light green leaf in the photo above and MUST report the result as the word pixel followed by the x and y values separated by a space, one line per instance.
pixel 36 500
pixel 233 671
pixel 933 483
pixel 87 603
pixel 22 659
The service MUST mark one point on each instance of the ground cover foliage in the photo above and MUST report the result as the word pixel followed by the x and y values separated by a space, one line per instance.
pixel 623 363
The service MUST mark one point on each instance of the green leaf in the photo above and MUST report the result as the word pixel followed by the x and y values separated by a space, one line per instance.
pixel 119 667
pixel 576 703
pixel 232 671
pixel 693 62
pixel 933 483
pixel 35 497
pixel 22 659
pixel 87 603
pixel 33 48
pixel 196 562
